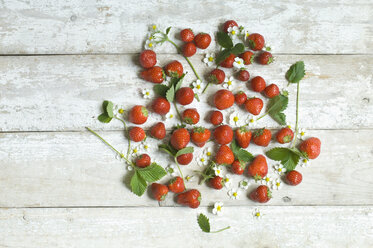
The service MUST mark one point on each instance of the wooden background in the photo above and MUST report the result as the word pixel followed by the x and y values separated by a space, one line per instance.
pixel 61 187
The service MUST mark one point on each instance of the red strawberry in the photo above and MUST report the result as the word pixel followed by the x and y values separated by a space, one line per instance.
pixel 228 62
pixel 285 135
pixel 216 182
pixel 200 135
pixel 154 74
pixel 240 98
pixel 247 57
pixel 185 159
pixel 148 59
pixel 190 116
pixel 223 99
pixel 180 138
pixel 229 24
pixel 217 76
pixel 262 137
pixel 238 167
pixel 243 75
pixel 256 41
pixel 159 191
pixel 158 131
pixel 191 198
pixel 311 147
pixel 258 168
pixel 202 40
pixel 224 155
pixel 243 137
pixel 174 69
pixel 137 134
pixel 293 177
pixel 271 91
pixel 262 194
pixel 258 84
pixel 189 49
pixel 161 106
pixel 138 114
pixel 223 134
pixel 143 161
pixel 265 58
pixel 184 95
pixel 187 35
pixel 216 118
pixel 176 185
pixel 254 105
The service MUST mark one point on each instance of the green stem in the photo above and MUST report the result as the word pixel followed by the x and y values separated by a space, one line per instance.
pixel 221 230
pixel 297 115
pixel 181 173
pixel 262 116
pixel 207 85
pixel 178 113
pixel 129 140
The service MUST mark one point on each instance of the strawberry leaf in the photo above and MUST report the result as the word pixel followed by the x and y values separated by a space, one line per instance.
pixel 138 184
pixel 240 153
pixel 235 147
pixel 280 118
pixel 104 118
pixel 108 108
pixel 289 158
pixel 224 40
pixel 152 173
pixel 170 94
pixel 296 72
pixel 238 49
pixel 276 106
pixel 168 30
pixel 178 82
pixel 222 56
pixel 203 223
pixel 160 89
pixel 184 151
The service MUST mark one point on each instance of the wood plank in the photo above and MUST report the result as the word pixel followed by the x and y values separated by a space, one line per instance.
pixel 64 93
pixel 167 227
pixel 76 169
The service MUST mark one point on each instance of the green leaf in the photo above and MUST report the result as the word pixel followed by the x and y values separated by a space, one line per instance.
pixel 104 118
pixel 224 40
pixel 168 148
pixel 278 153
pixel 222 56
pixel 170 94
pixel 244 156
pixel 203 223
pixel 109 109
pixel 235 147
pixel 280 118
pixel 238 49
pixel 296 72
pixel 291 162
pixel 179 81
pixel 184 151
pixel 138 184
pixel 160 89
pixel 152 173
pixel 289 158
pixel 276 106
pixel 168 30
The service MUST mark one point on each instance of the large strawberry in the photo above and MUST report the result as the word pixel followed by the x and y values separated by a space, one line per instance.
pixel 224 155
pixel 184 95
pixel 256 41
pixel 148 59
pixel 190 116
pixel 159 191
pixel 200 135
pixel 138 114
pixel 158 131
pixel 223 99
pixel 223 134
pixel 161 106
pixel 262 137
pixel 243 137
pixel 176 185
pixel 143 161
pixel 180 138
pixel 192 198
pixel 254 105
pixel 311 147
pixel 174 69
pixel 258 84
pixel 262 194
pixel 217 76
pixel 154 74
pixel 202 40
pixel 258 168
pixel 185 159
pixel 137 134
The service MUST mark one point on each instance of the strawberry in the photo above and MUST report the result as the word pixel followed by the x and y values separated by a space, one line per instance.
pixel 238 167
pixel 184 95
pixel 137 134
pixel 243 137
pixel 265 58
pixel 228 62
pixel 258 168
pixel 148 59
pixel 262 137
pixel 217 76
pixel 158 131
pixel 161 106
pixel 202 40
pixel 180 138
pixel 223 99
pixel 224 155
pixel 187 35
pixel 256 41
pixel 200 135
pixel 229 24
pixel 311 147
pixel 216 118
pixel 254 105
pixel 191 198
pixel 143 161
pixel 285 135
pixel 174 69
pixel 247 57
pixel 189 49
pixel 223 134
pixel 138 114
pixel 258 84
pixel 243 75
pixel 262 194
pixel 240 98
pixel 271 91
pixel 176 185
pixel 185 159
pixel 293 177
pixel 216 182
pixel 190 116
pixel 159 191
pixel 154 74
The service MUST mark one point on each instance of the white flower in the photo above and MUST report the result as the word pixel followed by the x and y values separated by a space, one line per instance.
pixel 238 63
pixel 227 181
pixel 244 184
pixel 279 169
pixel 235 119
pixel 250 120
pixel 218 208
pixel 121 156
pixel 170 116
pixel 171 169
pixel 234 194
pixel 257 214
pixel 189 178
pixel 277 184
pixel 267 180
pixel 202 160
pixel 304 162
pixel 129 168
pixel 228 82
pixel 301 133
pixel 233 31
pixel 218 171
pixel 147 93
pixel 153 28
pixel 207 152
pixel 118 109
pixel 209 59
pixel 145 145
pixel 198 86
pixel 150 43
pixel 135 151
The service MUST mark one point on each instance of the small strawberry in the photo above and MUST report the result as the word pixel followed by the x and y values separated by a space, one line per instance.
pixel 243 75
pixel 311 147
pixel 223 99
pixel 216 118
pixel 262 137
pixel 256 41
pixel 285 135
pixel 184 95
pixel 191 198
pixel 223 134
pixel 202 40
pixel 224 155
pixel 229 24
pixel 200 135
pixel 217 76
pixel 187 35
pixel 240 98
pixel 247 57
pixel 265 58
pixel 190 116
pixel 262 194
pixel 238 167
pixel 258 168
pixel 148 59
pixel 189 49
pixel 137 134
pixel 138 114
pixel 258 84
pixel 143 161
pixel 243 137
pixel 228 62
pixel 216 182
pixel 174 69
pixel 254 105
pixel 158 131
pixel 154 74
pixel 180 138
pixel 271 91
pixel 293 177
pixel 185 159
pixel 159 191
pixel 176 185
pixel 161 106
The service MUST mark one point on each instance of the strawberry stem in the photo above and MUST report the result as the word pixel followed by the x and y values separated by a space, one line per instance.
pixel 221 230
pixel 181 173
pixel 297 115
pixel 178 113
pixel 129 140
pixel 262 116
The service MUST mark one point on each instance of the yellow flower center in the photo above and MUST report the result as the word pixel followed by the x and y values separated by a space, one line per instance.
pixel 198 86
pixel 226 179
pixel 247 34
pixel 239 62
pixel 251 120
pixel 233 32
pixel 150 44
pixel 218 208
pixel 279 169
pixel 305 161
pixel 302 133
pixel 135 150
pixel 122 155
pixel 235 194
pixel 151 37
pixel 235 119
pixel 120 111
pixel 146 146
pixel 257 214
pixel 208 153
pixel 278 184
pixel 267 179
pixel 154 27
pixel 218 171
pixel 147 93
pixel 229 82
pixel 289 126
pixel 211 59
pixel 171 116
pixel 187 178
pixel 202 159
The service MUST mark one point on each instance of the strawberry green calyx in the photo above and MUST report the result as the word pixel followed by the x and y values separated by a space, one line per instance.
pixel 144 111
pixel 199 198
pixel 188 120
pixel 243 129
pixel 258 132
pixel 257 178
pixel 163 197
pixel 199 129
pixel 252 44
pixel 270 60
pixel 287 138
pixel 269 193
